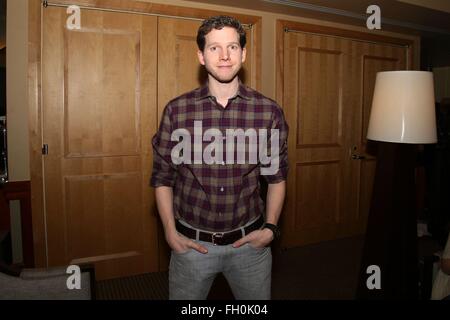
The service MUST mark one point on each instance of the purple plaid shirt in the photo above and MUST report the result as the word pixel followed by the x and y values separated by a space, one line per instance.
pixel 217 197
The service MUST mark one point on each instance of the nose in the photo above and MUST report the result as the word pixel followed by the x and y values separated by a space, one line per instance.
pixel 224 55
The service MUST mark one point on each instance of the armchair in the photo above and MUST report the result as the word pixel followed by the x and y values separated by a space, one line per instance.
pixel 45 284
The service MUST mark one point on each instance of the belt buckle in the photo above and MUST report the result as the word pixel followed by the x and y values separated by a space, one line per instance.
pixel 219 235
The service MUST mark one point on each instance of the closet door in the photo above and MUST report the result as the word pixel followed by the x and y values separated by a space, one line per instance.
pixel 328 88
pixel 99 113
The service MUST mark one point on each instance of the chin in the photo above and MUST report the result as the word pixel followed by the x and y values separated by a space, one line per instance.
pixel 223 78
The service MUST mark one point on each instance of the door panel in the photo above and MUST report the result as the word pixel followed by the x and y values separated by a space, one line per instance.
pixel 99 110
pixel 318 114
pixel 328 88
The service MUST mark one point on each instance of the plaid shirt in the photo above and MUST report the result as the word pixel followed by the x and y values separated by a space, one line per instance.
pixel 217 197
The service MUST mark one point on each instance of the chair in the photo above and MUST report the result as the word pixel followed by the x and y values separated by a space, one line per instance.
pixel 45 284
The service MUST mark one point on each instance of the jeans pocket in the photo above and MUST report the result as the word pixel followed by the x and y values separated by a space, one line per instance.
pixel 256 248
pixel 182 253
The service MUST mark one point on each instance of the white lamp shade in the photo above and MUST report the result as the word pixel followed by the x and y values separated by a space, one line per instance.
pixel 403 108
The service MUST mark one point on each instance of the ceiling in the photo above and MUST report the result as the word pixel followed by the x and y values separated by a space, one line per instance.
pixel 440 5
pixel 396 15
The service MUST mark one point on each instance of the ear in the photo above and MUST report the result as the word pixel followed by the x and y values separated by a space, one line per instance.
pixel 201 58
pixel 244 54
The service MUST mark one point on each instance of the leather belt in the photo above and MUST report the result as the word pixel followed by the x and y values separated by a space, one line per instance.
pixel 219 238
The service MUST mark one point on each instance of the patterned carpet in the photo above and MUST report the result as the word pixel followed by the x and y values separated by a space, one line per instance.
pixel 150 286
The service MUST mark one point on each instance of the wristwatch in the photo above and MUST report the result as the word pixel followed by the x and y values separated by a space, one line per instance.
pixel 274 228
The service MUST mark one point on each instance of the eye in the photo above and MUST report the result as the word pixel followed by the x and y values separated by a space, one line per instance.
pixel 213 48
pixel 234 47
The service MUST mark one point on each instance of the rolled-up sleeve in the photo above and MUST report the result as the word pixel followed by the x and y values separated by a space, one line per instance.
pixel 279 123
pixel 164 170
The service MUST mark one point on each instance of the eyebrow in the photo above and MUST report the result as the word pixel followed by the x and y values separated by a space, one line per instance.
pixel 217 43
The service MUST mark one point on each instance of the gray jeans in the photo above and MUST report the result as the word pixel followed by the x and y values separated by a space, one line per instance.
pixel 247 270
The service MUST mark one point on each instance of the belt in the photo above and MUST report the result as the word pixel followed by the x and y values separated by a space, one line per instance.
pixel 219 238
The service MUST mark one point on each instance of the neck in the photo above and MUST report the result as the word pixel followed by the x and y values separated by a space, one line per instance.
pixel 223 91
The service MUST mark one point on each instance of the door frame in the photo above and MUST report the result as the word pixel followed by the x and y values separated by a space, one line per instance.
pixel 412 43
pixel 35 8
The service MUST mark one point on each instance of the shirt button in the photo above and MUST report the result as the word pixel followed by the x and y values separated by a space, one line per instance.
pixel 221 189
pixel 220 213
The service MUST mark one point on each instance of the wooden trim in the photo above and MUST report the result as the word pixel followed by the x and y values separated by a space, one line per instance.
pixel 316 163
pixel 379 58
pixel 412 58
pixel 279 58
pixel 35 133
pixel 21 191
pixel 345 33
pixel 155 8
pixel 257 49
pixel 319 145
pixel 34 88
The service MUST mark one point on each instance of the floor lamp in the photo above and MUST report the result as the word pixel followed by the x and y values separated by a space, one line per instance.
pixel 402 116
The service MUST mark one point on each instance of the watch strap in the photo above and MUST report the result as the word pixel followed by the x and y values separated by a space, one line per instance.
pixel 274 228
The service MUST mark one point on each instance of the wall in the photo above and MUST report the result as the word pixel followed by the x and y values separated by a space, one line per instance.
pixel 17 108
pixel 443 5
pixel 435 52
pixel 16 89
pixel 441 83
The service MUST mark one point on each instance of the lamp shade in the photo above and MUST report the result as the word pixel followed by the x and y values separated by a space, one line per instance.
pixel 403 108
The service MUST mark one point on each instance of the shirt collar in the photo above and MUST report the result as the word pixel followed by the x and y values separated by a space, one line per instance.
pixel 242 92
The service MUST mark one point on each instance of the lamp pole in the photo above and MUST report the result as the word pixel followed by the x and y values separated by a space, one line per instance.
pixel 391 235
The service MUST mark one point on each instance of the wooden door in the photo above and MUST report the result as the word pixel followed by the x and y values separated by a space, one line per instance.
pixel 328 86
pixel 179 71
pixel 99 113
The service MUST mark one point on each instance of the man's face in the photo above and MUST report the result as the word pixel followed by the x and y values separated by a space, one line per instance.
pixel 223 55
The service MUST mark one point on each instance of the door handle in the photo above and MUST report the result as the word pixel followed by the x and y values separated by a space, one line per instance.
pixel 358 157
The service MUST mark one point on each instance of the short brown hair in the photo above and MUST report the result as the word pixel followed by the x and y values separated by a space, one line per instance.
pixel 218 22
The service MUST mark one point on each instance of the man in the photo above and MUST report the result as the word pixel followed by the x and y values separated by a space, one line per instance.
pixel 212 211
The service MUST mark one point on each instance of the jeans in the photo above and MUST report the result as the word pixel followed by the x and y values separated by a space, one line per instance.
pixel 247 270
